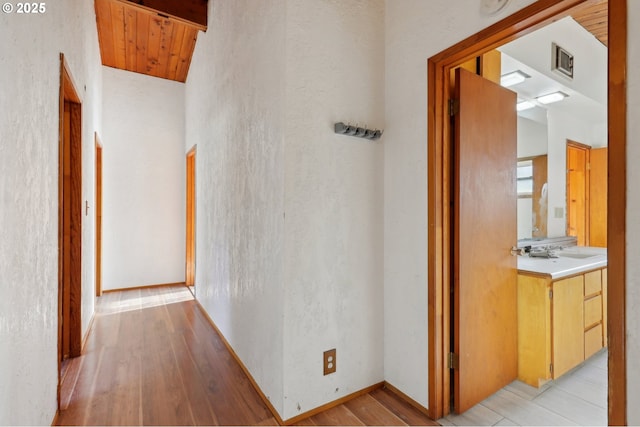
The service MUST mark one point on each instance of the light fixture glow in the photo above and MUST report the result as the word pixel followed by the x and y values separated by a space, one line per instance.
pixel 524 105
pixel 513 78
pixel 552 97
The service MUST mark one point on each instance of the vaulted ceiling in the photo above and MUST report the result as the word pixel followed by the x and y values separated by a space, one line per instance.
pixel 152 37
pixel 157 37
pixel 594 17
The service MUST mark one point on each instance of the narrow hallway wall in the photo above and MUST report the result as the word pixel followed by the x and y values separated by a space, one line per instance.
pixel 29 108
pixel 235 114
pixel 334 201
pixel 144 180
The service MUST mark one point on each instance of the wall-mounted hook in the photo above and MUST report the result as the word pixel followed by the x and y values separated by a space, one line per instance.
pixel 360 132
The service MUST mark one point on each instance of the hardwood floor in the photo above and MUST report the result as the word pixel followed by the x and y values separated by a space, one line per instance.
pixel 152 358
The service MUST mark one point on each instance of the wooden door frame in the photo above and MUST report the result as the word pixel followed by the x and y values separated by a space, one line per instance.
pixel 98 218
pixel 190 254
pixel 587 185
pixel 440 175
pixel 71 201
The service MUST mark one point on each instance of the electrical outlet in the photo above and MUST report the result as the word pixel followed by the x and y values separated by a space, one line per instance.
pixel 329 361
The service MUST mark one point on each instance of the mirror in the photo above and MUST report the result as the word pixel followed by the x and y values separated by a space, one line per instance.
pixel 545 128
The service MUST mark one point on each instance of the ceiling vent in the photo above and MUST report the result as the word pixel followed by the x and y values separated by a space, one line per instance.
pixel 561 61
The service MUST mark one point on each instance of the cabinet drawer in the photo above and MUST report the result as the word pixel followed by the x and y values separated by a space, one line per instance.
pixel 592 341
pixel 592 311
pixel 592 283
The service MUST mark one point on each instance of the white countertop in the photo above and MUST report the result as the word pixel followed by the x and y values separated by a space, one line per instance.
pixel 566 264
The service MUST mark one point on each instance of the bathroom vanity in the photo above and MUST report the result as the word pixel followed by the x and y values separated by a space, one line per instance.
pixel 562 312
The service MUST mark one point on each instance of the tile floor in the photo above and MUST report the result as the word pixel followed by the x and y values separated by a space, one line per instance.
pixel 577 398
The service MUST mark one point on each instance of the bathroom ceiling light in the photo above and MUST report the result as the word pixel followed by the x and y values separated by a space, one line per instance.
pixel 552 97
pixel 524 105
pixel 513 78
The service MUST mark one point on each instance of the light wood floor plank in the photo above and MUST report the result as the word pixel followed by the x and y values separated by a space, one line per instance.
pixel 372 413
pixel 152 358
pixel 407 413
pixel 338 416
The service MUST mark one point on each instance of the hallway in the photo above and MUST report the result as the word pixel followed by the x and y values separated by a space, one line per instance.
pixel 152 358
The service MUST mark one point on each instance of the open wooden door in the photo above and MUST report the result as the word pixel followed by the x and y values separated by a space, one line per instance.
pixel 485 229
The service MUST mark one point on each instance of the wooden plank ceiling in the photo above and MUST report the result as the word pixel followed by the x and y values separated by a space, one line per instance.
pixel 595 18
pixel 152 37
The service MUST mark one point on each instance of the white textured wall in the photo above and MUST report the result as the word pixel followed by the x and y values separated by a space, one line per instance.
pixel 633 213
pixel 333 200
pixel 29 84
pixel 143 212
pixel 415 31
pixel 235 114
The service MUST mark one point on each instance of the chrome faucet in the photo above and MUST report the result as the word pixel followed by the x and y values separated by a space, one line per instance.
pixel 545 251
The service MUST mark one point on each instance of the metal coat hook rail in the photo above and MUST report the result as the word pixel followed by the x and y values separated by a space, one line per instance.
pixel 352 130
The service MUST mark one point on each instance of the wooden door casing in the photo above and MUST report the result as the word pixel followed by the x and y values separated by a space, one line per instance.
pixel 98 161
pixel 190 258
pixel 440 176
pixel 70 209
pixel 485 316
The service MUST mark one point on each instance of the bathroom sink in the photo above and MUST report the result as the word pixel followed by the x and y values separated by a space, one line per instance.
pixel 575 255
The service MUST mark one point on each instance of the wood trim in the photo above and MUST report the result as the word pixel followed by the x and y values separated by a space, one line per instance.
pixel 55 418
pixel 60 223
pixel 98 215
pixel 88 332
pixel 69 220
pixel 439 184
pixel 190 239
pixel 253 382
pixel 158 285
pixel 333 404
pixel 406 398
pixel 264 398
pixel 617 208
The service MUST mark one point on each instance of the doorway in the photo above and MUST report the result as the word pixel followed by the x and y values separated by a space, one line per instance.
pixel 190 258
pixel 69 222
pixel 441 191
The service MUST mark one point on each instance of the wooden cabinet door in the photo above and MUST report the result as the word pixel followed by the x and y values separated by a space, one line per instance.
pixel 567 324
pixel 598 198
pixel 485 317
